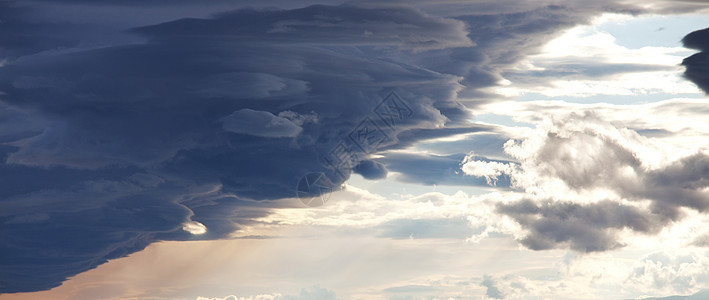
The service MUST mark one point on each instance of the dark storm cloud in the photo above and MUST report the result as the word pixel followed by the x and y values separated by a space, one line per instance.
pixel 326 25
pixel 697 40
pixel 20 35
pixel 130 2
pixel 93 91
pixel 149 3
pixel 56 232
pixel 371 169
pixel 110 149
pixel 698 64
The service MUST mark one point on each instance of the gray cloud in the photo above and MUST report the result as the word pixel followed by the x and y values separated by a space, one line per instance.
pixel 587 153
pixel 584 228
pixel 370 169
pixel 328 25
pixel 701 241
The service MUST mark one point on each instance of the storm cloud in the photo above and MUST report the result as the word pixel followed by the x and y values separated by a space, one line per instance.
pixel 192 125
pixel 698 64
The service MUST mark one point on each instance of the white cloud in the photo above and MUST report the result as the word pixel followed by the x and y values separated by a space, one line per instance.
pixel 670 129
pixel 489 170
pixel 194 227
pixel 358 209
pixel 677 272
pixel 586 180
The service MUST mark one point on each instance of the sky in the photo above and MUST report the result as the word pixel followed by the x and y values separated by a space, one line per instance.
pixel 304 149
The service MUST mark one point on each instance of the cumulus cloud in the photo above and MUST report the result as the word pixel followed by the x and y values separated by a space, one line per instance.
pixel 680 272
pixel 433 169
pixel 490 170
pixel 587 180
pixel 585 228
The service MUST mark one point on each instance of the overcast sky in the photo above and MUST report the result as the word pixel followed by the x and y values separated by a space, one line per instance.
pixel 273 149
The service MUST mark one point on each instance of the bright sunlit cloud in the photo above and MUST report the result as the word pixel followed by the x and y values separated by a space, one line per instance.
pixel 195 228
